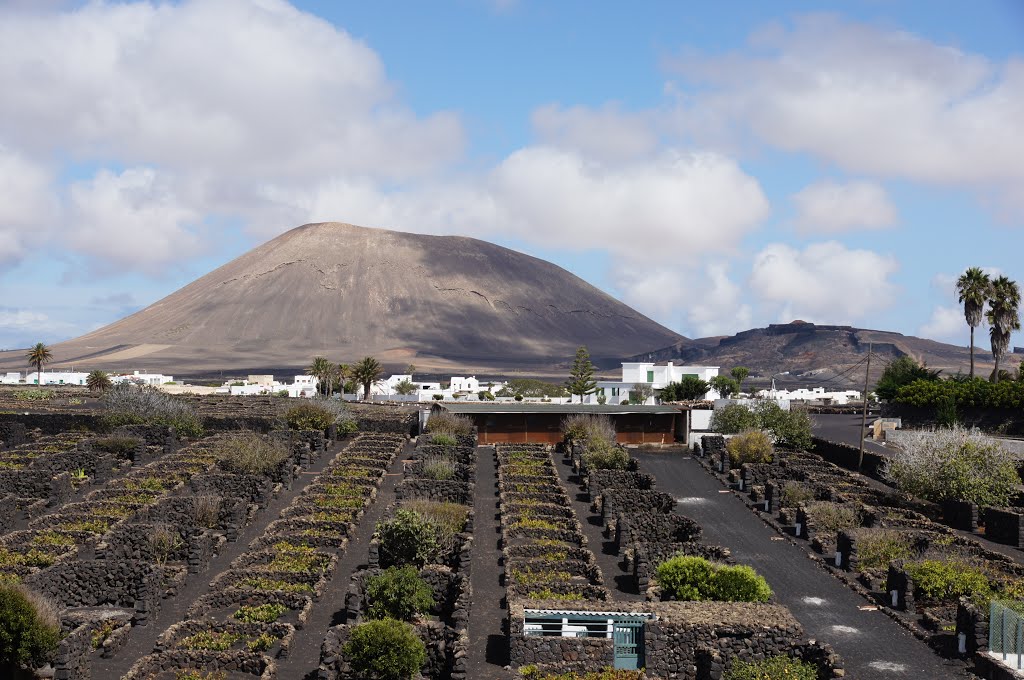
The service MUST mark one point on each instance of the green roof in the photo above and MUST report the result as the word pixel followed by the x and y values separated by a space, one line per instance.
pixel 561 409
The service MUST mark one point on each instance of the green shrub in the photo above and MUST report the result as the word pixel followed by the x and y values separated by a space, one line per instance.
pixel 686 578
pixel 447 520
pixel 954 464
pixel 753 446
pixel 793 429
pixel 309 415
pixel 128 404
pixel 977 393
pixel 581 427
pixel 739 584
pixel 695 578
pixel 690 388
pixel 948 581
pixel 795 493
pixel 876 549
pixel 29 628
pixel 250 453
pixel 732 419
pixel 900 373
pixel 442 439
pixel 439 467
pixel 119 446
pixel 398 593
pixel 442 422
pixel 406 538
pixel 601 454
pixel 385 650
pixel 773 668
pixel 833 517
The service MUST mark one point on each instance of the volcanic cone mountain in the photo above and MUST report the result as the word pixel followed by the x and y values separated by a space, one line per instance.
pixel 344 292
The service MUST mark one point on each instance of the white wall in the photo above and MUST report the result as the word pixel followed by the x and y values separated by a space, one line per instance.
pixel 701 420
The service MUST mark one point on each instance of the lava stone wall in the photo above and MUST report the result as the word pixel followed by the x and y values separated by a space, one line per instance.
pixel 1005 525
pixel 641 525
pixel 121 583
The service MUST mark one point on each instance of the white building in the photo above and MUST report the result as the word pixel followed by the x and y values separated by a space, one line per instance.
pixel 810 394
pixel 301 386
pixel 463 384
pixel 461 387
pixel 137 378
pixel 10 379
pixel 652 374
pixel 57 378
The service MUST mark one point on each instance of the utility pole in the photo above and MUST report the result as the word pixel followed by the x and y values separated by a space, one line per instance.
pixel 864 413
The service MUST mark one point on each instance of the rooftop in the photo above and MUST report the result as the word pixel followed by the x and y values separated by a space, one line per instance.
pixel 518 407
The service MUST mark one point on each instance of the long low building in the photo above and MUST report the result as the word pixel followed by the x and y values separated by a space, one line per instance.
pixel 520 423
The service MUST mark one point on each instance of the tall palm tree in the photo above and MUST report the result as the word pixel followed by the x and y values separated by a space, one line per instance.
pixel 37 356
pixel 973 287
pixel 1003 317
pixel 321 369
pixel 366 372
pixel 344 372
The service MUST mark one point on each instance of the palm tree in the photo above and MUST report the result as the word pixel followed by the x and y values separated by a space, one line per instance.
pixel 1003 317
pixel 37 356
pixel 98 381
pixel 366 372
pixel 344 372
pixel 974 287
pixel 321 369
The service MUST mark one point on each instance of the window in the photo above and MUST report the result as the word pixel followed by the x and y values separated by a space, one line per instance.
pixel 650 376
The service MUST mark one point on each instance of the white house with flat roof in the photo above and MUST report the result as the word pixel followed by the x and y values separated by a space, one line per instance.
pixel 302 386
pixel 138 378
pixel 653 374
pixel 57 378
pixel 10 378
pixel 811 394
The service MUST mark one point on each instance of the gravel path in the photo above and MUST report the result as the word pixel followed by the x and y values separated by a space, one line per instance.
pixel 873 646
pixel 488 645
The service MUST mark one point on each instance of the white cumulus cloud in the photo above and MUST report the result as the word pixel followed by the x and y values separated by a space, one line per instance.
pixel 674 207
pixel 247 87
pixel 946 324
pixel 832 207
pixel 607 132
pixel 133 218
pixel 872 100
pixel 823 282
pixel 28 205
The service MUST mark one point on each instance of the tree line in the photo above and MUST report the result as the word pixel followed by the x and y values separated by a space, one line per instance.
pixel 363 373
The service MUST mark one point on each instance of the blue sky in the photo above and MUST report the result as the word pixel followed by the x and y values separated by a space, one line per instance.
pixel 718 166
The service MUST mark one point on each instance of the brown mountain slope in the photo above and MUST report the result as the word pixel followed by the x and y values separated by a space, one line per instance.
pixel 800 353
pixel 345 292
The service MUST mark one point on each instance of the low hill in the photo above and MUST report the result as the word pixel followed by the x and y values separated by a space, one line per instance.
pixel 807 354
